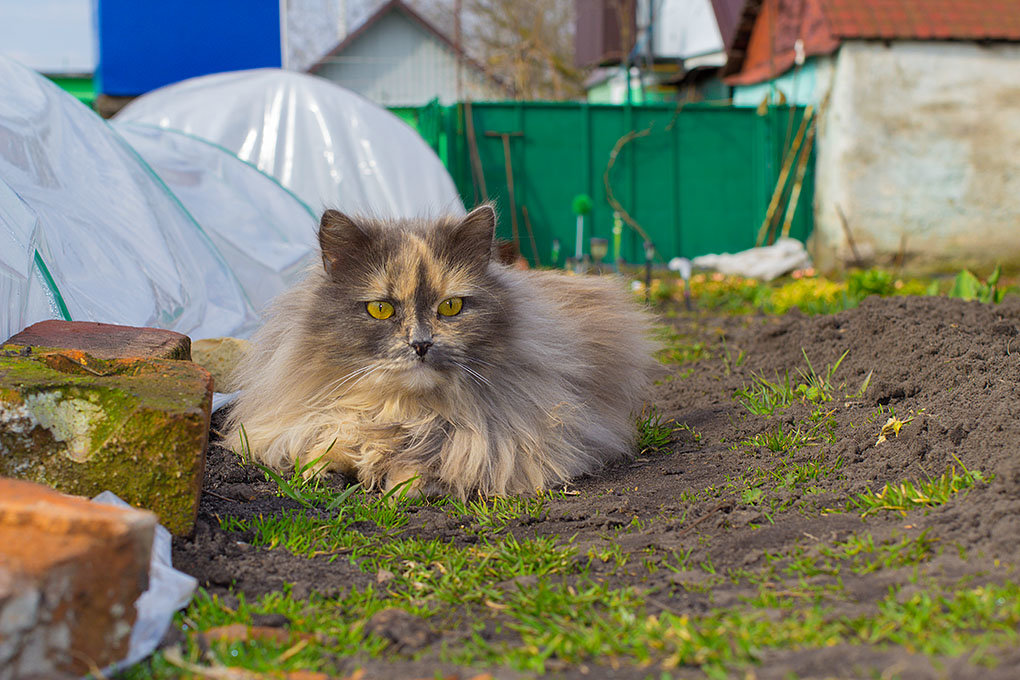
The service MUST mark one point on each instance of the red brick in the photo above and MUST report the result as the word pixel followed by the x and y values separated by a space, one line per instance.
pixel 70 573
pixel 105 341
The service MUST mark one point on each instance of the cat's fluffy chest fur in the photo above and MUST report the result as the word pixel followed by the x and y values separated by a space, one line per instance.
pixel 410 353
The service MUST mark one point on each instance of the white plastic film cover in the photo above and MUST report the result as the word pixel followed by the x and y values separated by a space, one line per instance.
pixel 118 246
pixel 24 289
pixel 333 148
pixel 265 233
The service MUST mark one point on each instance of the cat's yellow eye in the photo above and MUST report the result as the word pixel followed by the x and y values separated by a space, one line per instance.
pixel 451 306
pixel 380 309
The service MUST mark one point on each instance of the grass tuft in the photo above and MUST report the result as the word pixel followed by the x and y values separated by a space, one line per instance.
pixel 925 494
pixel 763 398
pixel 654 434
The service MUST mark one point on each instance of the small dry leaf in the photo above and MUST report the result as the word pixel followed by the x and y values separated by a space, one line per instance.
pixel 496 605
pixel 239 632
pixel 384 575
pixel 892 427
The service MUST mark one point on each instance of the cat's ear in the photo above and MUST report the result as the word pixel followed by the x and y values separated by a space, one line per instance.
pixel 342 241
pixel 472 236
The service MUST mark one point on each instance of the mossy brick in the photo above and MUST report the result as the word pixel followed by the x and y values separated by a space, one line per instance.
pixel 104 340
pixel 83 425
pixel 70 574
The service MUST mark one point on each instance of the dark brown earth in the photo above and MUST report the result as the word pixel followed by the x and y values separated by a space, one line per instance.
pixel 953 366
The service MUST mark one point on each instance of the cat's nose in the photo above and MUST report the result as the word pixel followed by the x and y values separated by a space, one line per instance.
pixel 421 346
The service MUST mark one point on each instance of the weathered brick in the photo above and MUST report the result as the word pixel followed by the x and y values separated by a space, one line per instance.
pixel 70 573
pixel 220 357
pixel 82 425
pixel 105 341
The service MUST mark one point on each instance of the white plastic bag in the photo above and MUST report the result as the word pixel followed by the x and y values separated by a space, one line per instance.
pixel 765 263
pixel 169 590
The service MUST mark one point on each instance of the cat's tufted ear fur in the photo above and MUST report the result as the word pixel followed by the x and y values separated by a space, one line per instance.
pixel 472 236
pixel 343 242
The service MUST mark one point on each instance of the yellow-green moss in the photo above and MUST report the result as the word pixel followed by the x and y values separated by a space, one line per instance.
pixel 138 428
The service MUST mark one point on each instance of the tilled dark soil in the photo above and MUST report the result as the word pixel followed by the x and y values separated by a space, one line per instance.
pixel 951 366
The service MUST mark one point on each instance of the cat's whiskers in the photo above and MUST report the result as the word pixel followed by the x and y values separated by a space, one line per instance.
pixel 363 376
pixel 327 391
pixel 360 374
pixel 474 375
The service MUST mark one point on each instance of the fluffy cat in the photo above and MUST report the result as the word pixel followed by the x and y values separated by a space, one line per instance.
pixel 411 353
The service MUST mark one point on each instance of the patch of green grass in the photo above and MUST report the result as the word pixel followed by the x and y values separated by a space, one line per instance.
pixel 779 440
pixel 816 388
pixel 763 397
pixel 303 485
pixel 594 622
pixel 728 362
pixel 924 494
pixel 688 428
pixel 654 433
pixel 560 614
pixel 677 349
pixel 578 626
pixel 790 475
pixel 497 512
pixel 859 553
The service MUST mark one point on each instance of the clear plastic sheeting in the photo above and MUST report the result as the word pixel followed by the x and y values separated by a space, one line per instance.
pixel 116 244
pixel 22 284
pixel 265 233
pixel 331 147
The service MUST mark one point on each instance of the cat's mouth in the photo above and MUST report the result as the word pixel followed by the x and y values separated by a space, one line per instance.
pixel 420 374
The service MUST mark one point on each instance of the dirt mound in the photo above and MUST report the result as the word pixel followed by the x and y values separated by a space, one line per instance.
pixel 745 498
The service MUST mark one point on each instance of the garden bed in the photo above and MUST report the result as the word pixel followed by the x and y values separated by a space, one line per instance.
pixel 762 529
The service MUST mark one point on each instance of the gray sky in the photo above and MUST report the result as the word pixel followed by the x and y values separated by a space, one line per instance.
pixel 53 36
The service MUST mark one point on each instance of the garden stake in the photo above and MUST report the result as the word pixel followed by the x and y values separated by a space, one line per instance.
pixel 531 235
pixel 849 236
pixel 509 179
pixel 798 180
pixel 784 173
pixel 476 162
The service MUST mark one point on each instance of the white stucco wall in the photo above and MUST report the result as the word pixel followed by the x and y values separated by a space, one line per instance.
pixel 922 140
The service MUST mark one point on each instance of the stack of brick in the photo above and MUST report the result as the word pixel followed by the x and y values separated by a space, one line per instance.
pixel 89 407
pixel 85 408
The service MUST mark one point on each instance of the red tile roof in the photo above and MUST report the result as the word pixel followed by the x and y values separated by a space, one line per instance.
pixel 924 19
pixel 763 45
